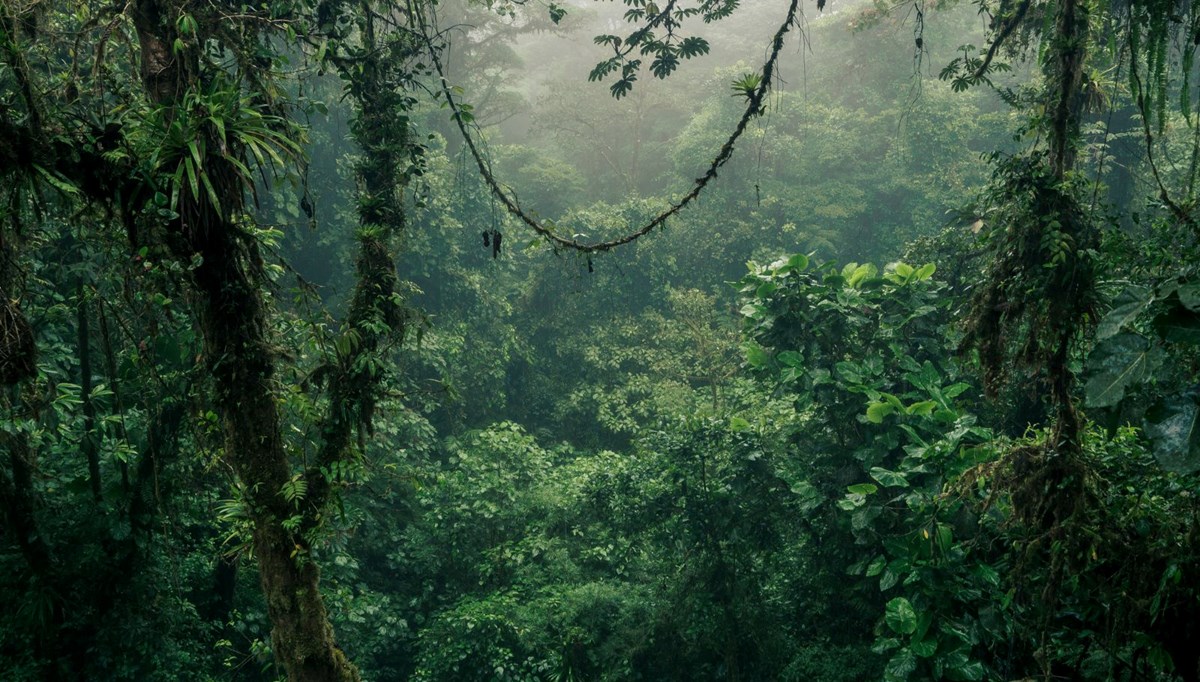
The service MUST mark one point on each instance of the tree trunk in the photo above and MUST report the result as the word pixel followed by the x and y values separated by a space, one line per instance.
pixel 233 324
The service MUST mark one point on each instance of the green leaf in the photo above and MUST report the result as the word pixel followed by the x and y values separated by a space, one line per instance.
pixel 798 261
pixel 765 289
pixel 621 87
pixel 1173 426
pixel 926 271
pixel 738 424
pixel 988 574
pixel 790 358
pixel 888 580
pixel 889 479
pixel 955 390
pixel 213 201
pixel 944 538
pixel 886 644
pixel 791 375
pixel 876 566
pixel 193 181
pixel 219 124
pixel 923 408
pixel 1189 296
pixel 194 147
pixel 967 672
pixel 808 497
pixel 863 489
pixel 1179 325
pixel 1117 363
pixel 861 274
pixel 693 46
pixel 878 410
pixel 55 181
pixel 664 65
pixel 849 371
pixel 756 355
pixel 903 664
pixel 746 85
pixel 924 620
pixel 900 616
pixel 925 648
pixel 1125 310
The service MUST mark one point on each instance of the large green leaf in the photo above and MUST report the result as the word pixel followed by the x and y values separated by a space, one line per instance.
pixel 1125 310
pixel 1179 325
pixel 967 672
pixel 889 479
pixel 756 355
pixel 900 616
pixel 861 274
pixel 923 408
pixel 1173 425
pixel 878 410
pixel 924 648
pixel 798 261
pixel 850 372
pixel 1189 296
pixel 903 664
pixel 1116 364
pixel 790 358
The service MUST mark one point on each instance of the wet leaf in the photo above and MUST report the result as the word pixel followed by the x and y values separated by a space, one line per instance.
pixel 1125 310
pixel 900 616
pixel 1173 426
pixel 1116 364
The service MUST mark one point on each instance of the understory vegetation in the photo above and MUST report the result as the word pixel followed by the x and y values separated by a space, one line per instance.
pixel 373 340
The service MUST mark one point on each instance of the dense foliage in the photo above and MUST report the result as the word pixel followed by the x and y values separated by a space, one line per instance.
pixel 883 367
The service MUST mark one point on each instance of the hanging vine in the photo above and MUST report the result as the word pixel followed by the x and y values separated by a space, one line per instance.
pixel 753 87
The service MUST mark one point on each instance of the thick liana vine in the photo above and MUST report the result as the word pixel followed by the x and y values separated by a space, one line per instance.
pixel 755 91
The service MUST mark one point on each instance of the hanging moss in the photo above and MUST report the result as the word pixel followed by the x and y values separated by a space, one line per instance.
pixel 1039 291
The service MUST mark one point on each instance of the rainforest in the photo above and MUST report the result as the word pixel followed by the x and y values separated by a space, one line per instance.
pixel 581 341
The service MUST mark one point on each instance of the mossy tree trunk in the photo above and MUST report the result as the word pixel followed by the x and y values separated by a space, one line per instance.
pixel 233 321
pixel 375 75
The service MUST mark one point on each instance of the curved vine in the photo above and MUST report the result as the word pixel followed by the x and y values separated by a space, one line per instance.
pixel 754 107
